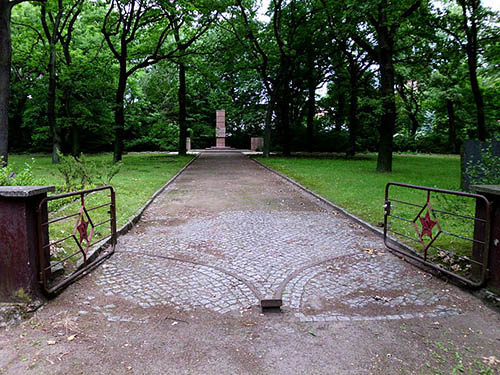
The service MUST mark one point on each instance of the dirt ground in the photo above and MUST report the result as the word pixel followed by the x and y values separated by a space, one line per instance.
pixel 180 296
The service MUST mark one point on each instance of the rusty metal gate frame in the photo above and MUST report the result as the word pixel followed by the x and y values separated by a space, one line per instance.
pixel 81 226
pixel 407 251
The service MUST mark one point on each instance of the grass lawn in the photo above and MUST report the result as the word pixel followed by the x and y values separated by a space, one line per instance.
pixel 355 186
pixel 139 177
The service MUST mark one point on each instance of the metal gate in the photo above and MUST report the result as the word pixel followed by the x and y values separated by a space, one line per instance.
pixel 444 229
pixel 71 228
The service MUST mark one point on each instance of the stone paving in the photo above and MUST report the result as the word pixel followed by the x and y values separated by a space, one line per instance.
pixel 225 248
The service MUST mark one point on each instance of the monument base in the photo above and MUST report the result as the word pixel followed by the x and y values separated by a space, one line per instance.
pixel 216 148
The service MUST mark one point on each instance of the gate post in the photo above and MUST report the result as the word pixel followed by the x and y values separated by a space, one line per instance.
pixel 19 242
pixel 492 193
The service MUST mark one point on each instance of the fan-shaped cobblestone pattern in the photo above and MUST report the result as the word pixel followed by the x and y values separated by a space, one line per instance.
pixel 151 281
pixel 263 247
pixel 367 287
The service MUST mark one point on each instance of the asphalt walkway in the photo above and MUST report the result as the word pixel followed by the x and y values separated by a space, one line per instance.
pixel 182 293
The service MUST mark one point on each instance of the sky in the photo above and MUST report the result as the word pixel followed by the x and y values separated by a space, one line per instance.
pixel 493 4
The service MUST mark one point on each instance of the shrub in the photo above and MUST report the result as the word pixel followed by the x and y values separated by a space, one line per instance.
pixel 79 173
pixel 486 171
pixel 23 178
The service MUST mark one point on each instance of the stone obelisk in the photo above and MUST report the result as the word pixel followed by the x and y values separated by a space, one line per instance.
pixel 220 128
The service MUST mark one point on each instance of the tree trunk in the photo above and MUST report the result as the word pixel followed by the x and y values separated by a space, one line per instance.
pixel 388 119
pixel 414 123
pixel 75 140
pixel 283 104
pixel 452 133
pixel 74 131
pixel 478 99
pixel 182 109
pixel 311 109
pixel 267 126
pixel 339 113
pixel 470 28
pixel 119 112
pixel 285 120
pixel 5 62
pixel 51 105
pixel 353 113
pixel 18 137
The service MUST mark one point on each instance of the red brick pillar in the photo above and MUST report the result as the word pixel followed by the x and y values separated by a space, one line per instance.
pixel 19 252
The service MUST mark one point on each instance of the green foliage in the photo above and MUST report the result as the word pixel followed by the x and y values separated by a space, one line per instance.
pixel 225 71
pixel 8 177
pixel 106 172
pixel 79 172
pixel 486 171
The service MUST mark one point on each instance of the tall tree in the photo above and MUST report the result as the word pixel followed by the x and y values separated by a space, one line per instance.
pixel 249 32
pixel 186 32
pixel 5 67
pixel 470 20
pixel 58 21
pixel 277 48
pixel 386 19
pixel 137 32
pixel 28 63
pixel 469 26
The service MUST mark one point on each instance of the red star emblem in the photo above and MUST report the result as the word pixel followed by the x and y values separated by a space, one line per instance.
pixel 82 229
pixel 427 225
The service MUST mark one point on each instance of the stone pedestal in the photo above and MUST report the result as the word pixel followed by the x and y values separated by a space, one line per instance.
pixel 19 242
pixel 492 193
pixel 188 144
pixel 256 143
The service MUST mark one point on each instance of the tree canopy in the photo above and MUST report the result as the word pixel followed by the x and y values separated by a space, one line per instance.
pixel 314 75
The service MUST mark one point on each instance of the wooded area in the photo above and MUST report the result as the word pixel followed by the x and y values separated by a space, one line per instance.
pixel 121 75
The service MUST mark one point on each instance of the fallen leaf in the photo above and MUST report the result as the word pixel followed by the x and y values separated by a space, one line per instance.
pixel 51 342
pixel 312 333
pixel 71 338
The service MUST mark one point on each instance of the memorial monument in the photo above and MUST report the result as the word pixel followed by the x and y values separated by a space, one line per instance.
pixel 220 128
pixel 220 132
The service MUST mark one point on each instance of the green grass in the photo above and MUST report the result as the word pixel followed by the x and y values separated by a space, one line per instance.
pixel 139 177
pixel 355 186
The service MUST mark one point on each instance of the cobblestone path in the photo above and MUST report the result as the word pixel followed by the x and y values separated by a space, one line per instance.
pixel 228 233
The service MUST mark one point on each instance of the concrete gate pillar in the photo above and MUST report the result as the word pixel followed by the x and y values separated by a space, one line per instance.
pixel 492 193
pixel 19 242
